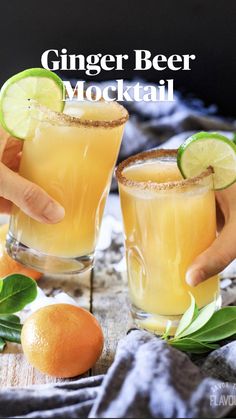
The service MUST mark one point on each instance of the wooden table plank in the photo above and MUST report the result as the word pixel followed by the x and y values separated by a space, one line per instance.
pixel 110 302
pixel 110 306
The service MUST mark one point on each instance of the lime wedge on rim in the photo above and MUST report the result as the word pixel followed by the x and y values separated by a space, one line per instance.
pixel 18 94
pixel 206 149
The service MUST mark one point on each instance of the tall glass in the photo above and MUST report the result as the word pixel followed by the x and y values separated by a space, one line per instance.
pixel 72 157
pixel 168 221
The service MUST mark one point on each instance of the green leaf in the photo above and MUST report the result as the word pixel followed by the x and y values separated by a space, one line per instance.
pixel 17 291
pixel 10 331
pixel 10 325
pixel 192 345
pixel 203 317
pixel 187 317
pixel 234 138
pixel 2 344
pixel 10 328
pixel 10 317
pixel 168 327
pixel 221 326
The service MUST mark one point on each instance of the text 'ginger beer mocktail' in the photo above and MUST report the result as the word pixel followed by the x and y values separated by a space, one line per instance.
pixel 168 221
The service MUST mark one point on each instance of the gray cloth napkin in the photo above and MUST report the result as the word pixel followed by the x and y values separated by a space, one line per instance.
pixel 72 399
pixel 148 379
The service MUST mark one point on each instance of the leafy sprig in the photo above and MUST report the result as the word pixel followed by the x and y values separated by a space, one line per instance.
pixel 201 331
pixel 16 291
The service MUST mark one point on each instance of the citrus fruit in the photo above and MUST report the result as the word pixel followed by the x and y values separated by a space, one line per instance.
pixel 19 94
pixel 206 149
pixel 7 264
pixel 62 340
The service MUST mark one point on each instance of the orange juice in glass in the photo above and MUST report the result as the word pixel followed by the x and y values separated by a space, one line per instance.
pixel 72 157
pixel 168 221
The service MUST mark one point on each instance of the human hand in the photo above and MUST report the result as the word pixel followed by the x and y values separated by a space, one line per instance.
pixel 30 198
pixel 223 250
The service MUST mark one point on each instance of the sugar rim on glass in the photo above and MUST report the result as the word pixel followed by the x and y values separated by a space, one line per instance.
pixel 60 118
pixel 149 185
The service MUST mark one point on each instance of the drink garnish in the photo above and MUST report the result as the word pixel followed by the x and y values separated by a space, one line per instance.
pixel 205 149
pixel 18 115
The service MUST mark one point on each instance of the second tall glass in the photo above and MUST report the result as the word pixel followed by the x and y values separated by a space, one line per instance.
pixel 168 221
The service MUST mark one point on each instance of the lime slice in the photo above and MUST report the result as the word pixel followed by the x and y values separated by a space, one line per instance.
pixel 18 115
pixel 206 149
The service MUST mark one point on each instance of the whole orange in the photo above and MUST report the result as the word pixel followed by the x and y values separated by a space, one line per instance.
pixel 62 340
pixel 7 264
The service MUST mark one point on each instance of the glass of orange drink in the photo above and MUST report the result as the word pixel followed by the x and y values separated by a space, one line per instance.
pixel 168 221
pixel 72 157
